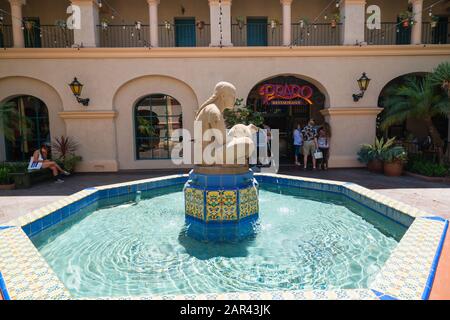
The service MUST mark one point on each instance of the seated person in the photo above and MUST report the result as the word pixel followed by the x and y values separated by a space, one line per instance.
pixel 41 157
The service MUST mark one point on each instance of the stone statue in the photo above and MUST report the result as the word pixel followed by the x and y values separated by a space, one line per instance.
pixel 227 149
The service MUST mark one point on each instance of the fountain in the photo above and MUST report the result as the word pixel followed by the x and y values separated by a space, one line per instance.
pixel 221 195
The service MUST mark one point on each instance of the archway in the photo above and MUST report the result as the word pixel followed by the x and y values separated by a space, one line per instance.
pixel 413 132
pixel 156 116
pixel 27 127
pixel 285 101
pixel 166 91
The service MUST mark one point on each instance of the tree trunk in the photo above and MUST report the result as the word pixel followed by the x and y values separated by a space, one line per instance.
pixel 438 142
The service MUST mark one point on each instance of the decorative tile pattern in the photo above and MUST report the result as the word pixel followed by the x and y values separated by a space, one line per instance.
pixel 350 294
pixel 26 274
pixel 229 205
pixel 194 202
pixel 213 205
pixel 405 274
pixel 248 202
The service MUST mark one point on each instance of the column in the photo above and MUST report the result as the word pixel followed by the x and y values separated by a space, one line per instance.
pixel 88 34
pixel 153 22
pixel 353 18
pixel 416 32
pixel 286 4
pixel 214 9
pixel 16 19
pixel 350 127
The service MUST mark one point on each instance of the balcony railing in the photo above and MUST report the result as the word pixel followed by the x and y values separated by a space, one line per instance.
pixel 169 36
pixel 48 36
pixel 320 34
pixel 184 35
pixel 436 34
pixel 317 34
pixel 56 37
pixel 390 33
pixel 6 38
pixel 118 36
pixel 256 34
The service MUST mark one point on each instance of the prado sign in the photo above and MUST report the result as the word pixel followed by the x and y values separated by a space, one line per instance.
pixel 289 94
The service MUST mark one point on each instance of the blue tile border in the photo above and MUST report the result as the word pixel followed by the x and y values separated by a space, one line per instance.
pixel 383 296
pixel 434 265
pixel 398 215
pixel 3 290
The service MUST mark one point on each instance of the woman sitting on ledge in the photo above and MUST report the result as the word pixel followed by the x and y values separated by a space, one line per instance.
pixel 40 157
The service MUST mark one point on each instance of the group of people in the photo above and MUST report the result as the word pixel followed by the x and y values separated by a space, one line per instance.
pixel 312 141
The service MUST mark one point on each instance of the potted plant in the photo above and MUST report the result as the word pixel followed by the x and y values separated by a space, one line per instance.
pixel 240 22
pixel 274 23
pixel 303 22
pixel 394 158
pixel 434 21
pixel 5 181
pixel 406 18
pixel 336 19
pixel 64 149
pixel 201 25
pixel 371 154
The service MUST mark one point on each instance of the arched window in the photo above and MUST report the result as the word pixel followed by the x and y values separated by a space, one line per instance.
pixel 156 118
pixel 28 128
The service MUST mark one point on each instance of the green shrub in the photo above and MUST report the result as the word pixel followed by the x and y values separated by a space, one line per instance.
pixel 397 153
pixel 4 177
pixel 427 168
pixel 369 152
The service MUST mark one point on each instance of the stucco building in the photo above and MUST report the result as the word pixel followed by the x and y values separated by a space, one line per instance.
pixel 146 66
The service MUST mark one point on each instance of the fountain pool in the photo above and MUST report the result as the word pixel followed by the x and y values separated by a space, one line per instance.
pixel 304 239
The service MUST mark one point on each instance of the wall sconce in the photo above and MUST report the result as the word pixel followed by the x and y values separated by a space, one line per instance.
pixel 363 84
pixel 76 88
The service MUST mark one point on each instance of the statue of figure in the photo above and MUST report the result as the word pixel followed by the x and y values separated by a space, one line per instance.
pixel 227 149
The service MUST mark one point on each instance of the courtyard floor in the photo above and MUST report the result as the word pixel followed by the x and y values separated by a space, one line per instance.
pixel 429 196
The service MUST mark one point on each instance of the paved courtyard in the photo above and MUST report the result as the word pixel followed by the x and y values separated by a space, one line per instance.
pixel 429 196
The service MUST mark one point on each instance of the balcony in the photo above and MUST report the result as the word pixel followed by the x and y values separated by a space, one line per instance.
pixel 242 35
pixel 391 33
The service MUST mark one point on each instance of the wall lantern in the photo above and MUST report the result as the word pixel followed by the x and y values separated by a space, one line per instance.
pixel 76 88
pixel 363 84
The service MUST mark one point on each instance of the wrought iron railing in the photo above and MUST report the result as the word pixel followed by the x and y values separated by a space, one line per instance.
pixel 171 35
pixel 435 33
pixel 118 36
pixel 6 37
pixel 261 34
pixel 56 37
pixel 316 34
pixel 391 33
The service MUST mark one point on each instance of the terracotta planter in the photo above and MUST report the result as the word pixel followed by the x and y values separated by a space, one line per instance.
pixel 405 24
pixel 333 23
pixel 393 169
pixel 7 186
pixel 375 166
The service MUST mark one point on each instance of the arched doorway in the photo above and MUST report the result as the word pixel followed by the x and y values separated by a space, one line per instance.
pixel 285 101
pixel 157 116
pixel 413 132
pixel 28 127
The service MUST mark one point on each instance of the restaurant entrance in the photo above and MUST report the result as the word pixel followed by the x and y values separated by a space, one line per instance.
pixel 285 101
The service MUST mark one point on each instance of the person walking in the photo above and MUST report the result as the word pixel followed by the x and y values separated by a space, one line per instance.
pixel 309 143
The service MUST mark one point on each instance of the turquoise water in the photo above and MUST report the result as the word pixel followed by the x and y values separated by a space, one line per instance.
pixel 305 240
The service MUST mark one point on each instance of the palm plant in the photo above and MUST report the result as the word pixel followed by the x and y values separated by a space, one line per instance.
pixel 375 151
pixel 416 98
pixel 12 121
pixel 441 77
pixel 8 116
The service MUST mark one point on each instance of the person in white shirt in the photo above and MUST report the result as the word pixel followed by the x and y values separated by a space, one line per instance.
pixel 41 156
pixel 323 142
pixel 298 144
